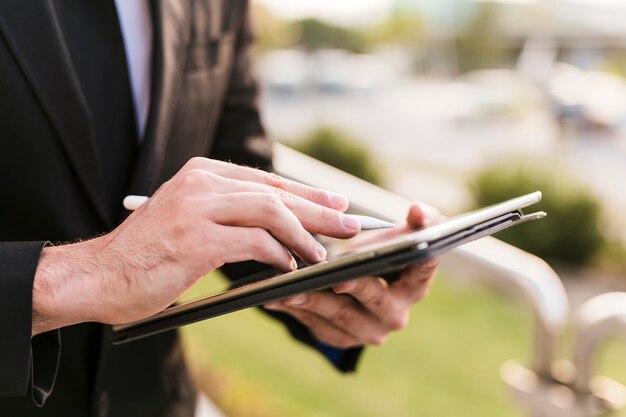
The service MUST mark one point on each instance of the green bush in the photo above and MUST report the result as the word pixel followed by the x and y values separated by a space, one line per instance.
pixel 341 151
pixel 570 234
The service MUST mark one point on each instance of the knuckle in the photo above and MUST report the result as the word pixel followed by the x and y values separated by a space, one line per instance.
pixel 194 177
pixel 430 265
pixel 190 176
pixel 377 339
pixel 304 317
pixel 197 160
pixel 315 194
pixel 230 199
pixel 359 287
pixel 325 214
pixel 426 281
pixel 399 321
pixel 315 323
pixel 275 180
pixel 342 342
pixel 343 315
pixel 377 299
pixel 195 163
pixel 311 302
pixel 421 293
pixel 272 204
pixel 285 197
pixel 259 238
pixel 373 294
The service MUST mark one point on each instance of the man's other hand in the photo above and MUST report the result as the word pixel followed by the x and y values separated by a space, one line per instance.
pixel 366 310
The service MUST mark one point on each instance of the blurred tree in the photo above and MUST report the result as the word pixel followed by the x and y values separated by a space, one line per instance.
pixel 615 61
pixel 272 32
pixel 401 27
pixel 341 151
pixel 316 34
pixel 572 231
pixel 478 42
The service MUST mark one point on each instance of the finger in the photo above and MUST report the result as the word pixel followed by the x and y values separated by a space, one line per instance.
pixel 420 215
pixel 266 211
pixel 322 329
pixel 415 282
pixel 314 217
pixel 238 244
pixel 374 295
pixel 241 173
pixel 423 215
pixel 375 236
pixel 343 312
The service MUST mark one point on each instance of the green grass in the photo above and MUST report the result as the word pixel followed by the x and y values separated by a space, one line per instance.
pixel 446 363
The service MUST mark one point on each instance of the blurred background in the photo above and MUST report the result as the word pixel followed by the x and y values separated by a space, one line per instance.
pixel 459 104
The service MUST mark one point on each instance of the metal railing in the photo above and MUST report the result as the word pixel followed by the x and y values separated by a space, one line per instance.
pixel 551 387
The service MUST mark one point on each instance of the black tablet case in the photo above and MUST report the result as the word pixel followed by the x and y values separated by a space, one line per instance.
pixel 379 265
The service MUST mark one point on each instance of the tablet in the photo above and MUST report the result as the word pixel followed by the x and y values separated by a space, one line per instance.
pixel 378 259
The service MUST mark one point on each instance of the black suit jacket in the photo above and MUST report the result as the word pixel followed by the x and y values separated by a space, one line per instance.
pixel 203 103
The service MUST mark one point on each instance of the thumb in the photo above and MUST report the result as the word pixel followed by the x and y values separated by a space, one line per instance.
pixel 423 215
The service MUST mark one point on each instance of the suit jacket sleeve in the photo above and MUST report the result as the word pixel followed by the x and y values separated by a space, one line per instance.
pixel 240 138
pixel 28 365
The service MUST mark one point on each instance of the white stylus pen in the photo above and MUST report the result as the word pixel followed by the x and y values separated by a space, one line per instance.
pixel 132 202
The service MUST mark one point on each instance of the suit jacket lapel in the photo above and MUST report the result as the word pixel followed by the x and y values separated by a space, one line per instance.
pixel 172 28
pixel 32 32
pixel 171 20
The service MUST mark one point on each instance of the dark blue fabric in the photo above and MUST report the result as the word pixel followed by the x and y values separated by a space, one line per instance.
pixel 334 355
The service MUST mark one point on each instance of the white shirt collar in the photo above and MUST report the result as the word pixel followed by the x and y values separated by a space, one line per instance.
pixel 136 25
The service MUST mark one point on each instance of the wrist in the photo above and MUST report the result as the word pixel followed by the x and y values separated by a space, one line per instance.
pixel 64 285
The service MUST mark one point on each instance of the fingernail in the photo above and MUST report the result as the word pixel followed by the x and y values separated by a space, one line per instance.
pixel 293 265
pixel 339 201
pixel 321 252
pixel 350 222
pixel 345 287
pixel 298 300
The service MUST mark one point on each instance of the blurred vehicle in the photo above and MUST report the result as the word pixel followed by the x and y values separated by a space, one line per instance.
pixel 593 100
pixel 492 94
pixel 337 71
pixel 285 71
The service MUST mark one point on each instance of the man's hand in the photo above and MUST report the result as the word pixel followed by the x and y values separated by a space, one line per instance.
pixel 210 213
pixel 366 310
